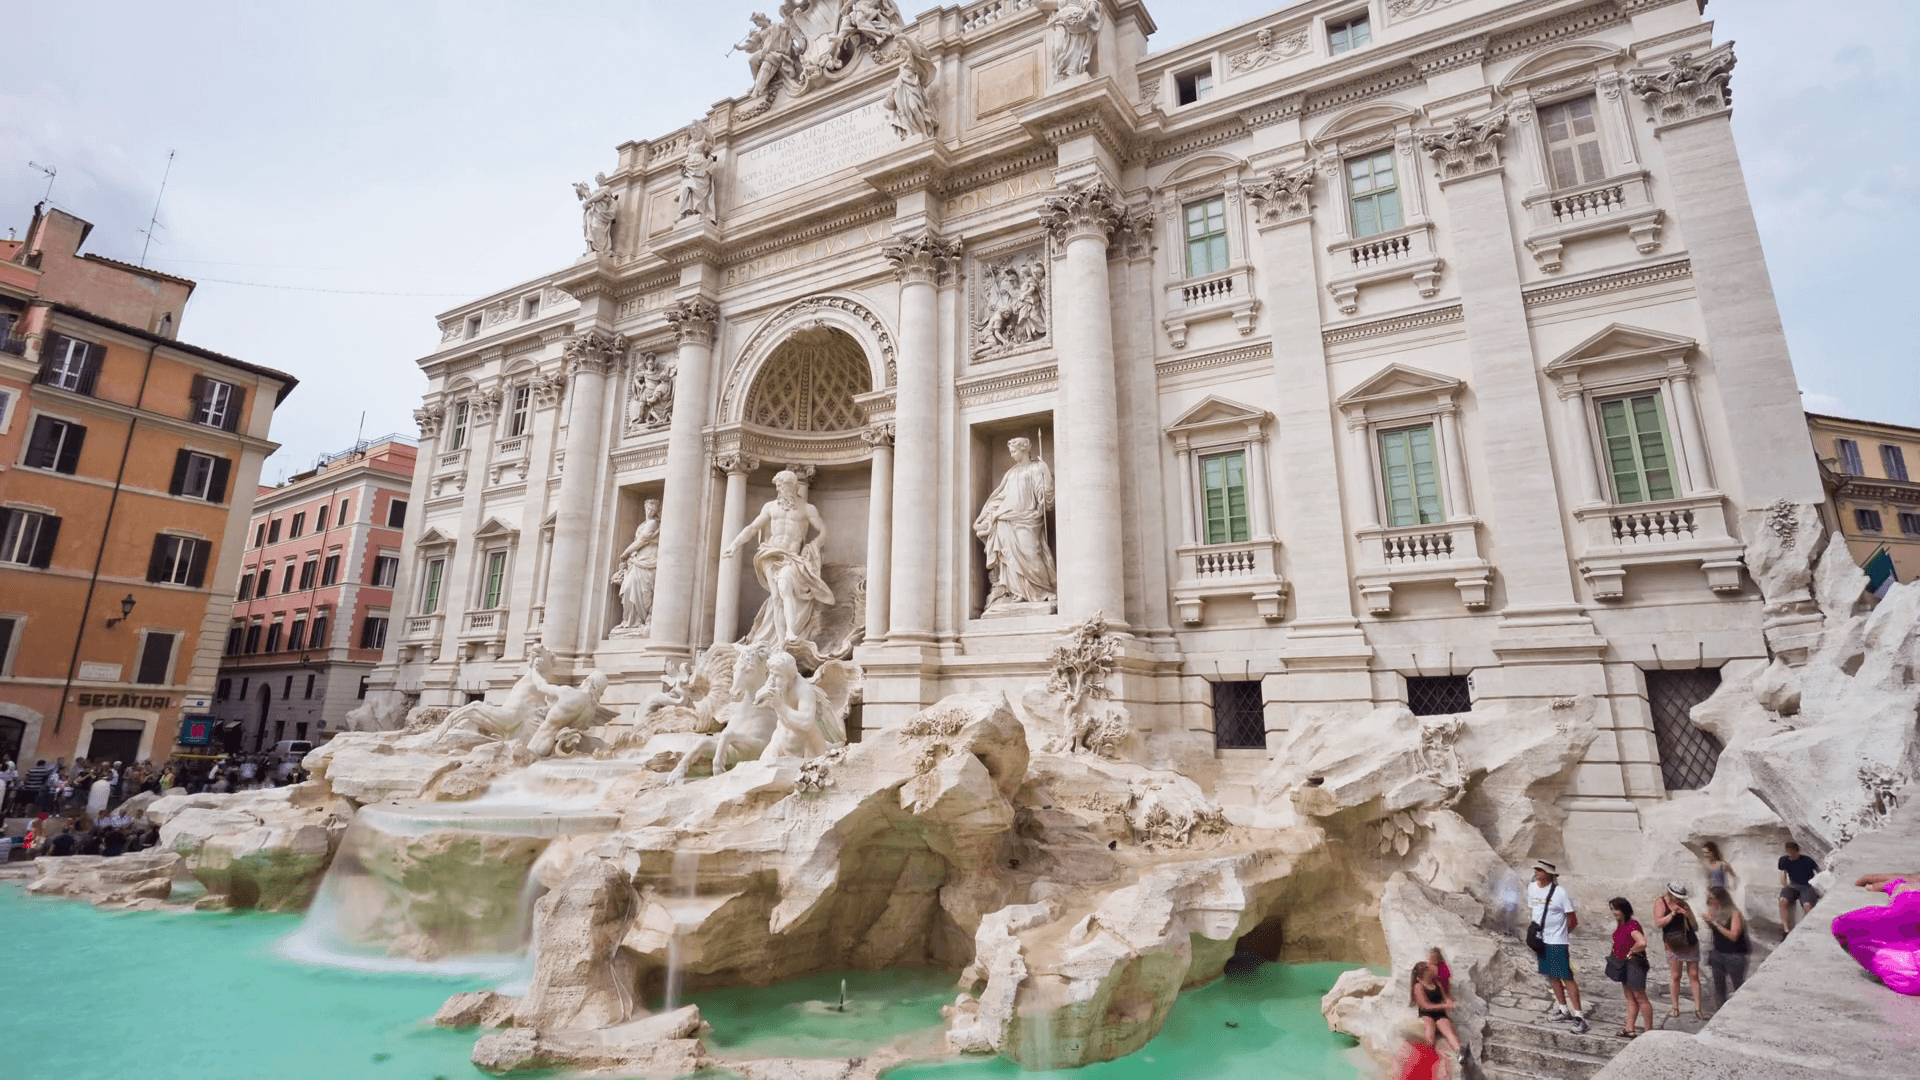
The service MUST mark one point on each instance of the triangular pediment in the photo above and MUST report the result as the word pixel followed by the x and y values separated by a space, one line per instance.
pixel 433 537
pixel 1398 382
pixel 1214 413
pixel 1561 60
pixel 495 528
pixel 1618 343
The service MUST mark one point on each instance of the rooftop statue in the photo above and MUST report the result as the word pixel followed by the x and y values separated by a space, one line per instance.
pixel 1072 27
pixel 596 213
pixel 910 103
pixel 872 23
pixel 774 54
pixel 696 177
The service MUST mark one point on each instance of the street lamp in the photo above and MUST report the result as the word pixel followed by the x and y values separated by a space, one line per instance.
pixel 126 609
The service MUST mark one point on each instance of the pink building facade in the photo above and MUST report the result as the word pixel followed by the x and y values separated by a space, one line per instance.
pixel 314 598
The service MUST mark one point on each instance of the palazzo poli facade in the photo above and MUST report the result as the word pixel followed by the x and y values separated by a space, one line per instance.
pixel 1367 352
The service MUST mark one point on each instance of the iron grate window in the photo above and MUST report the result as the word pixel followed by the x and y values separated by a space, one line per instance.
pixel 1688 753
pixel 1439 695
pixel 1239 716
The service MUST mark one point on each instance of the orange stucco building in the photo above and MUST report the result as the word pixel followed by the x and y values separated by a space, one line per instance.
pixel 128 464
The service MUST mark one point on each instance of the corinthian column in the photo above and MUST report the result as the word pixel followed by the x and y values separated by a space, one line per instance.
pixel 726 604
pixel 680 509
pixel 919 260
pixel 1082 219
pixel 589 357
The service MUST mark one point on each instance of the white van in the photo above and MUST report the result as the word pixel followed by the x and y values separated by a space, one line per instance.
pixel 286 756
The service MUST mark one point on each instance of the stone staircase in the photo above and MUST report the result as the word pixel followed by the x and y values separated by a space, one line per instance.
pixel 1521 1051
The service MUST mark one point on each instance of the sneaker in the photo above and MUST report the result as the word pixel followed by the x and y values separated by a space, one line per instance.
pixel 1579 1024
pixel 1556 1011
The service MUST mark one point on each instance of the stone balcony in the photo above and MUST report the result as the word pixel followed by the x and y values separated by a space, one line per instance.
pixel 1216 296
pixel 483 634
pixel 421 633
pixel 1250 569
pixel 1407 252
pixel 1688 530
pixel 1409 554
pixel 1620 204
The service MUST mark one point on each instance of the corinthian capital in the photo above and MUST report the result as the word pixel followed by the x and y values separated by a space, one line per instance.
pixel 1285 195
pixel 693 320
pixel 735 462
pixel 429 421
pixel 486 405
pixel 877 436
pixel 1467 146
pixel 1086 208
pixel 595 352
pixel 1689 86
pixel 924 256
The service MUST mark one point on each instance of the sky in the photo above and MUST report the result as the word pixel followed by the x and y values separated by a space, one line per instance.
pixel 346 170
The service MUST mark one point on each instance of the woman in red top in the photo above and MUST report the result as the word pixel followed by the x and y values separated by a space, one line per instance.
pixel 1630 960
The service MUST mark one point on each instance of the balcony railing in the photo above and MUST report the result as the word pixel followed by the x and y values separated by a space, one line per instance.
pixel 1619 204
pixel 1404 253
pixel 420 629
pixel 1407 554
pixel 1215 296
pixel 992 11
pixel 1686 530
pixel 1249 569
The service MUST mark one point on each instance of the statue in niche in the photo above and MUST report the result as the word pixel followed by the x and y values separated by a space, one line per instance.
pixel 910 103
pixel 1012 527
pixel 696 177
pixel 774 52
pixel 596 213
pixel 635 576
pixel 812 712
pixel 1073 26
pixel 872 23
pixel 652 393
pixel 1016 305
pixel 788 564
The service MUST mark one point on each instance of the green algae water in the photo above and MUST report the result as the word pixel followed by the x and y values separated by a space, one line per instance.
pixel 91 995
pixel 801 1017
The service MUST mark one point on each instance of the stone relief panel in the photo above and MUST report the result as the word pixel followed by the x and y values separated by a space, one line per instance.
pixel 1270 47
pixel 650 394
pixel 1010 304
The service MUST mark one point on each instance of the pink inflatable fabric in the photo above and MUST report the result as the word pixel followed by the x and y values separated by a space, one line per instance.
pixel 1886 940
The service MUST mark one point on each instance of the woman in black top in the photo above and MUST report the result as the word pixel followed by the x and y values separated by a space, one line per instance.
pixel 1433 1003
pixel 1731 946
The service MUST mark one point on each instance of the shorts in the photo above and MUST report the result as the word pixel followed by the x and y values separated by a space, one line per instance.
pixel 1555 963
pixel 1683 954
pixel 1433 1014
pixel 1636 974
pixel 1803 893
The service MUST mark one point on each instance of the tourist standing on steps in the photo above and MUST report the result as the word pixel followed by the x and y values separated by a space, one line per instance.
pixel 1680 933
pixel 1434 1004
pixel 1720 873
pixel 1731 947
pixel 1628 965
pixel 1796 884
pixel 1553 913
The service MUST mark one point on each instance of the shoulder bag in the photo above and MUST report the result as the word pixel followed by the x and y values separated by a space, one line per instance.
pixel 1534 929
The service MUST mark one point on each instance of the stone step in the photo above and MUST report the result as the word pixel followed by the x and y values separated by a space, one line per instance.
pixel 1556 1037
pixel 1514 1050
pixel 1544 1062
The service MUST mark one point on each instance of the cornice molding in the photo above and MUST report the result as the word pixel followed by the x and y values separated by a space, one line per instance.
pixel 1398 324
pixel 1676 270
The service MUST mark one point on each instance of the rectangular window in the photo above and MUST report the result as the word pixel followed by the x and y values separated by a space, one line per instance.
pixel 362 692
pixel 273 531
pixel 496 579
pixel 1866 520
pixel 69 364
pixel 1349 35
pixel 217 404
pixel 320 520
pixel 200 476
pixel 308 571
pixel 457 426
pixel 1894 460
pixel 1223 495
pixel 253 642
pixel 330 572
pixel 397 514
pixel 1635 431
pixel 1848 452
pixel 246 585
pixel 1689 754
pixel 297 635
pixel 8 629
pixel 1573 143
pixel 530 307
pixel 178 560
pixel 309 694
pixel 286 579
pixel 1194 85
pixel 273 637
pixel 226 689
pixel 260 535
pixel 373 632
pixel 473 326
pixel 286 691
pixel 317 637
pixel 344 504
pixel 1239 716
pixel 1910 523
pixel 156 660
pixel 244 682
pixel 386 568
pixel 27 538
pixel 1439 695
pixel 1375 194
pixel 299 526
pixel 430 598
pixel 55 444
pixel 265 582
pixel 1409 478
pixel 236 636
pixel 1207 237
pixel 521 404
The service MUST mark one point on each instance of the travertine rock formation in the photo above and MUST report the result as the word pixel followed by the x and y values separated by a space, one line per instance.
pixel 266 849
pixel 140 879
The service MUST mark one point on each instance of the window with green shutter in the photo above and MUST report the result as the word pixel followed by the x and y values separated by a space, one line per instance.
pixel 496 579
pixel 1375 194
pixel 430 602
pixel 1207 237
pixel 1223 488
pixel 1639 457
pixel 1410 479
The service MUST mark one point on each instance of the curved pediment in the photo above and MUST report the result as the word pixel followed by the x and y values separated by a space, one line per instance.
pixel 1364 118
pixel 1561 60
pixel 1206 163
pixel 1398 382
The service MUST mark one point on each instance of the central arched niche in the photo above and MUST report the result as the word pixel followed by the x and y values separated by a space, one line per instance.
pixel 809 384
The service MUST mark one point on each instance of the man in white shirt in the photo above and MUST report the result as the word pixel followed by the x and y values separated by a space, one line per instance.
pixel 1552 909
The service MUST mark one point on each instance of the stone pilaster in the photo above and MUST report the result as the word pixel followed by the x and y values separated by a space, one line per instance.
pixel 1082 220
pixel 590 357
pixel 879 440
pixel 919 260
pixel 726 606
pixel 693 321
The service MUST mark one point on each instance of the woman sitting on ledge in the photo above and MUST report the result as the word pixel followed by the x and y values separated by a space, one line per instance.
pixel 1886 940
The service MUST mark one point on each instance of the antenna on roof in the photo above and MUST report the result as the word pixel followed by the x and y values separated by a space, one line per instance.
pixel 154 222
pixel 50 172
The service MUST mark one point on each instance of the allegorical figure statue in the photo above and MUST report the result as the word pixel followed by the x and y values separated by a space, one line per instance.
pixel 596 213
pixel 1012 526
pixel 696 177
pixel 774 51
pixel 787 563
pixel 1016 312
pixel 574 708
pixel 1073 27
pixel 870 23
pixel 910 104
pixel 635 575
pixel 652 393
pixel 517 716
pixel 811 713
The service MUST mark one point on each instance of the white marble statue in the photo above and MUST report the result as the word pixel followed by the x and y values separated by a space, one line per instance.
pixel 1073 27
pixel 514 718
pixel 652 393
pixel 748 721
pixel 910 103
pixel 1012 527
pixel 774 51
pixel 635 576
pixel 596 213
pixel 788 564
pixel 812 712
pixel 696 178
pixel 870 23
pixel 1016 305
pixel 574 709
